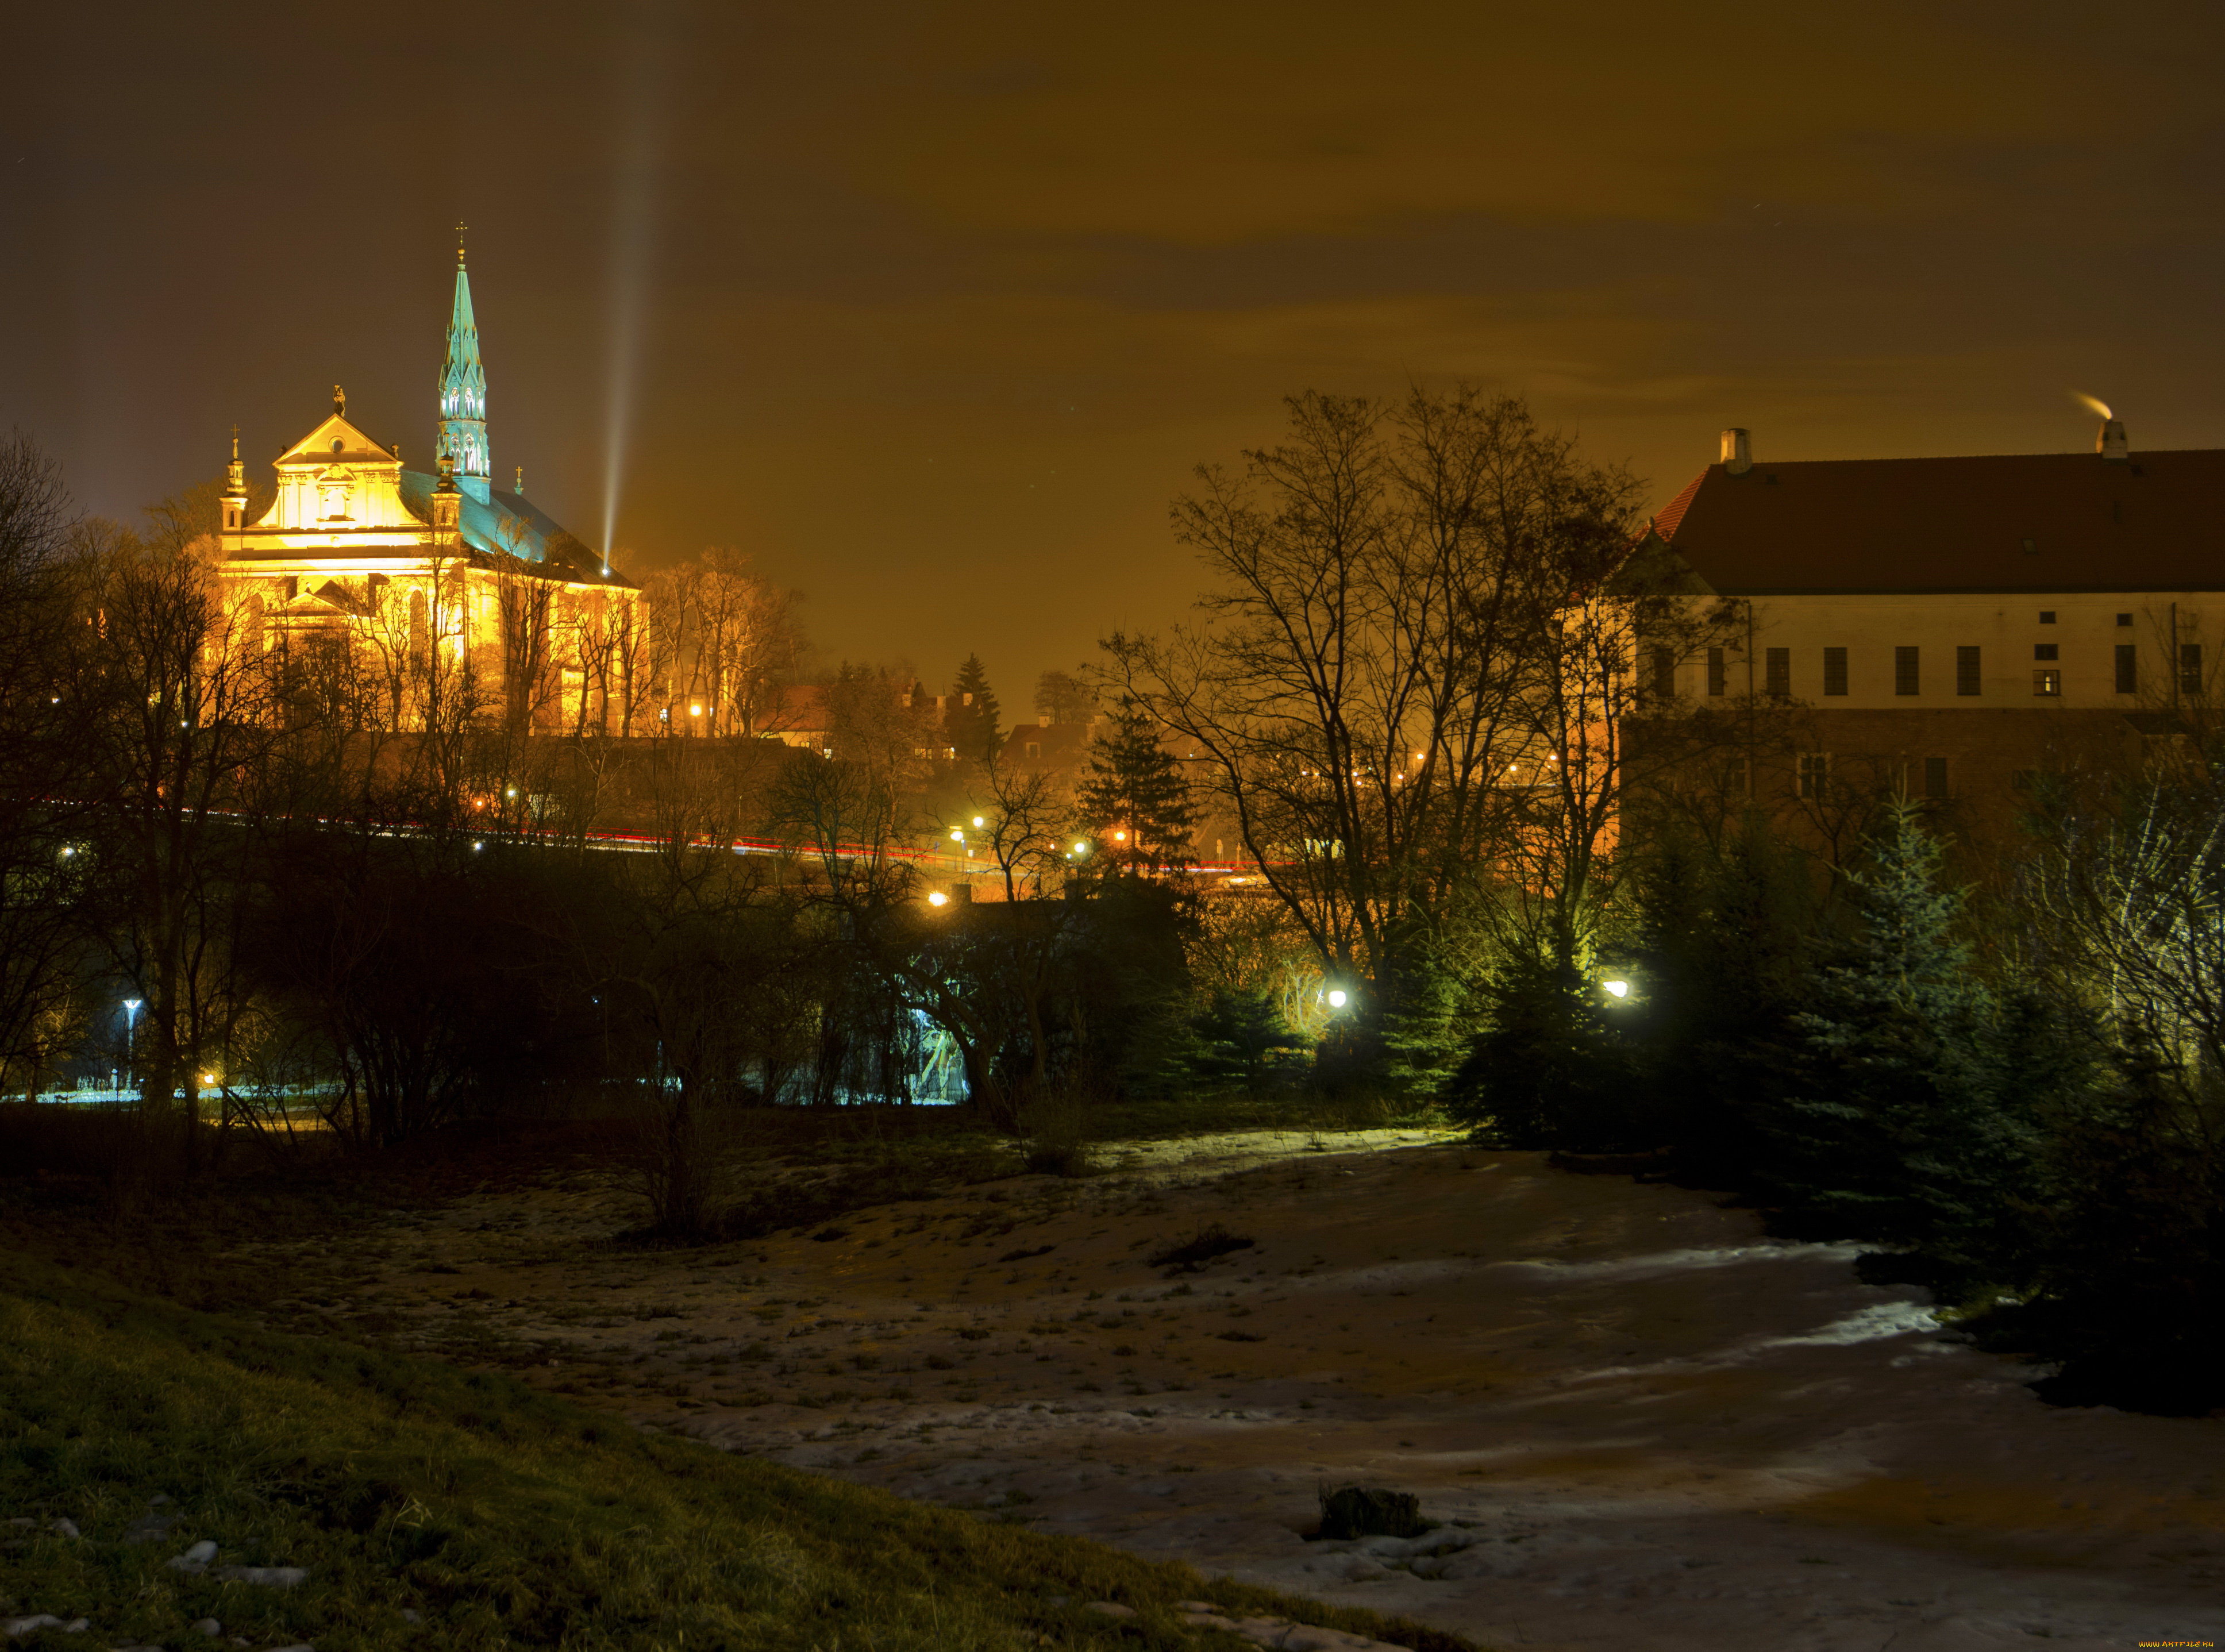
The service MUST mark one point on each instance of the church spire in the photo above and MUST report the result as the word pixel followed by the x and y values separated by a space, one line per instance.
pixel 463 391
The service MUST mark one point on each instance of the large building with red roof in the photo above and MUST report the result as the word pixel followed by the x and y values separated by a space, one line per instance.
pixel 1973 621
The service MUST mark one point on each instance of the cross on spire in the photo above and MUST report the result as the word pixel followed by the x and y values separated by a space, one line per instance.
pixel 460 227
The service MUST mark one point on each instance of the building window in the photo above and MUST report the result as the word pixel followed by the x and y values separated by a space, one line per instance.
pixel 1966 671
pixel 1778 664
pixel 2124 619
pixel 1035 749
pixel 1935 777
pixel 1663 673
pixel 2048 683
pixel 1737 776
pixel 1904 673
pixel 2128 668
pixel 1835 671
pixel 2190 668
pixel 2047 616
pixel 1718 676
pixel 1815 773
pixel 2045 650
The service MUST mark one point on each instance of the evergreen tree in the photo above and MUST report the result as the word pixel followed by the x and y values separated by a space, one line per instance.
pixel 1909 1085
pixel 1242 1038
pixel 1548 1071
pixel 1134 785
pixel 970 719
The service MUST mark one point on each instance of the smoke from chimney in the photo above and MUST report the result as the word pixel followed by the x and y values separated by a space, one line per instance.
pixel 1738 453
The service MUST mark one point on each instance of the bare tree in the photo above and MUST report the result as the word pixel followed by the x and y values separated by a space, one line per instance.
pixel 1372 647
pixel 185 701
pixel 723 639
pixel 41 865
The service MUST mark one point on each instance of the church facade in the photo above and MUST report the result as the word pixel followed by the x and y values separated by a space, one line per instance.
pixel 465 599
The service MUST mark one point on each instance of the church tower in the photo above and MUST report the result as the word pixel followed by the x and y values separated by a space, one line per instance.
pixel 463 392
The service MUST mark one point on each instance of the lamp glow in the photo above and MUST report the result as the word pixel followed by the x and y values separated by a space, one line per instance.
pixel 1617 988
pixel 978 821
pixel 938 899
pixel 957 834
pixel 1336 998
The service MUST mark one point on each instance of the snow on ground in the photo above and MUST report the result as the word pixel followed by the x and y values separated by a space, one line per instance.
pixel 1646 1424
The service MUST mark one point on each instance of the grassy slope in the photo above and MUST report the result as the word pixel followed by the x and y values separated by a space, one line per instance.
pixel 506 1517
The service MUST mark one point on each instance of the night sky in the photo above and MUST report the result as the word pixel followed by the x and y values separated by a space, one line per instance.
pixel 932 309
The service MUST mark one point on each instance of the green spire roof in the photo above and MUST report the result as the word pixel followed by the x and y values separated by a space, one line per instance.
pixel 463 389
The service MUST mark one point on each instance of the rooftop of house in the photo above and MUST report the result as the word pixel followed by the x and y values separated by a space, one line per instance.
pixel 2010 522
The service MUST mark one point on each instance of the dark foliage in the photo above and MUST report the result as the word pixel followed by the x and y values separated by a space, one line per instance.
pixel 1550 1070
pixel 1370 1511
pixel 1201 1247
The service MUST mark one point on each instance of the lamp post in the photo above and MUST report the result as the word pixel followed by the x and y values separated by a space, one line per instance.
pixel 131 1024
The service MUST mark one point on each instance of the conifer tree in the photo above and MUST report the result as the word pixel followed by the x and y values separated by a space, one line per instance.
pixel 970 719
pixel 1908 1093
pixel 1134 785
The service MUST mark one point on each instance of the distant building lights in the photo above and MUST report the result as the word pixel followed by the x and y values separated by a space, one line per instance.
pixel 477 847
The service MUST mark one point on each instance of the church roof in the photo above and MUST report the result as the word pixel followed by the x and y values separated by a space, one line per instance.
pixel 504 524
pixel 355 447
pixel 2012 522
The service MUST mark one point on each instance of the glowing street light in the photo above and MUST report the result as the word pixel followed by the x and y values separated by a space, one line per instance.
pixel 938 899
pixel 1617 988
pixel 1082 848
pixel 1337 998
pixel 957 834
pixel 978 821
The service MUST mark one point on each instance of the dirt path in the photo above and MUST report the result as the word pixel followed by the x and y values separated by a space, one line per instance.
pixel 1654 1427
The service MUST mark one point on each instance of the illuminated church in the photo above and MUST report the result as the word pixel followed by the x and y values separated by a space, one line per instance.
pixel 439 572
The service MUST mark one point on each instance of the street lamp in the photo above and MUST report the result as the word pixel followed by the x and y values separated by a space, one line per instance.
pixel 1336 998
pixel 131 1024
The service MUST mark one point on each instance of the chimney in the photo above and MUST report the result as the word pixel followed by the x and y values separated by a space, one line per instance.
pixel 2110 443
pixel 1738 453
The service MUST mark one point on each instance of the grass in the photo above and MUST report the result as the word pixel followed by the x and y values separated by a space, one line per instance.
pixel 503 1517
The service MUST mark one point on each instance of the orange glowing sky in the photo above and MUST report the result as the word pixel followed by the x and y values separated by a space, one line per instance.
pixel 941 303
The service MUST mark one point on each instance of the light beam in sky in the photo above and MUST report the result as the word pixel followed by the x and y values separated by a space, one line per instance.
pixel 632 223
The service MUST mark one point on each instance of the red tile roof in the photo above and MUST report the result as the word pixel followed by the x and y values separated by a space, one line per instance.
pixel 2028 522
